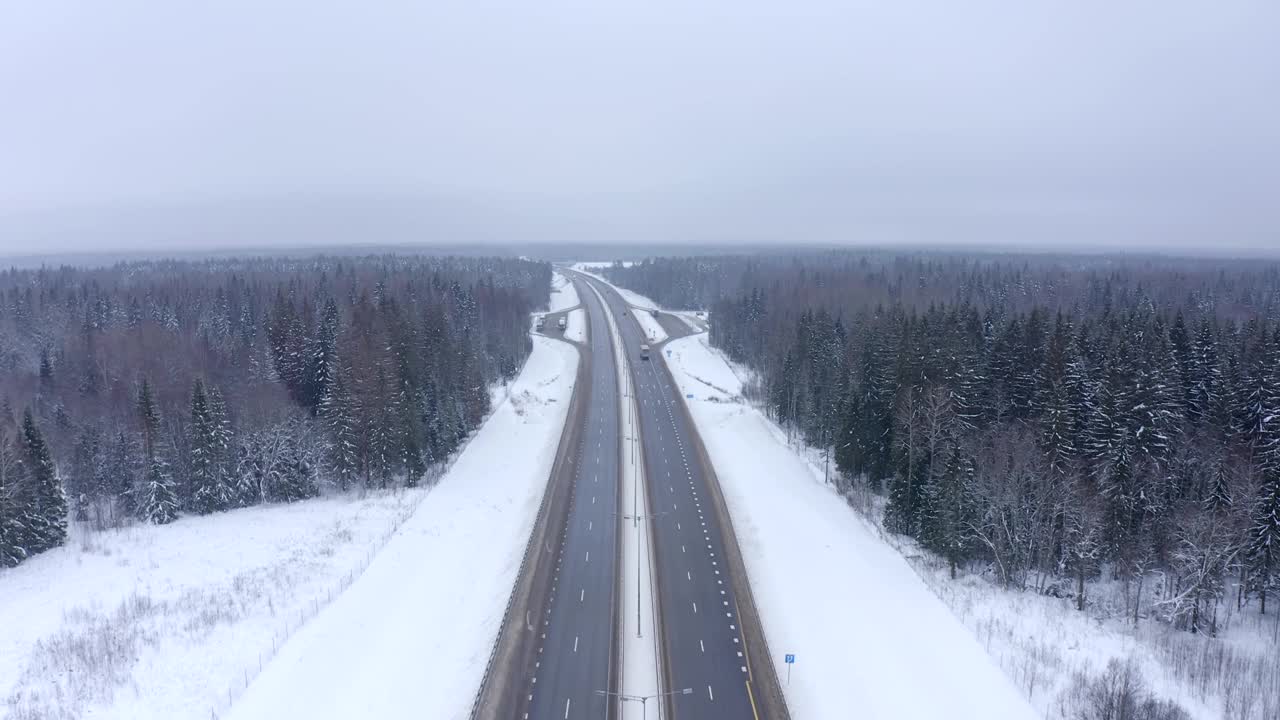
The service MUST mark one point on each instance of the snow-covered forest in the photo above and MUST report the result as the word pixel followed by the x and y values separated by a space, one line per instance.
pixel 1051 421
pixel 145 390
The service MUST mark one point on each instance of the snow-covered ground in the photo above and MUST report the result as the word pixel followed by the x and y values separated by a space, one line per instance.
pixel 563 293
pixel 632 298
pixel 576 327
pixel 652 328
pixel 158 622
pixel 411 638
pixel 873 581
pixel 870 639
pixel 174 621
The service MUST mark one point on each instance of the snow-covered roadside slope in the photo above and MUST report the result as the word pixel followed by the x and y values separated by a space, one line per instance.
pixel 594 269
pixel 576 325
pixel 871 640
pixel 563 293
pixel 156 622
pixel 411 637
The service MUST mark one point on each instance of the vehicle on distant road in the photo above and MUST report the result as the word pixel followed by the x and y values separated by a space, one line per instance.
pixel 564 322
pixel 644 352
pixel 542 323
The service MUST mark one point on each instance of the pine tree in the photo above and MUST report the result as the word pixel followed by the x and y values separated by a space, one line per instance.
pixel 159 496
pixel 223 441
pixel 47 511
pixel 209 490
pixel 13 531
pixel 1264 534
pixel 336 411
pixel 122 473
pixel 149 416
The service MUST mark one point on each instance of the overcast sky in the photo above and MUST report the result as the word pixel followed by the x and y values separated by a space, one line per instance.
pixel 1079 123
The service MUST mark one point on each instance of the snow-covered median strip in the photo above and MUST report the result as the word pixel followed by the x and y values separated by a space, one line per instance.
pixel 412 636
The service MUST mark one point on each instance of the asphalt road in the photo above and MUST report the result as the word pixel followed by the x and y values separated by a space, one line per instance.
pixel 704 644
pixel 576 642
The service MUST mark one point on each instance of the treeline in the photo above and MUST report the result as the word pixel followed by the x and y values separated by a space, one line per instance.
pixel 150 389
pixel 1055 418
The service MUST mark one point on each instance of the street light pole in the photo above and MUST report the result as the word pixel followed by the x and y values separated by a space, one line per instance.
pixel 643 699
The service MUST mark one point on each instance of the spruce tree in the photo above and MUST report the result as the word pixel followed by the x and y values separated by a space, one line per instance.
pixel 337 412
pixel 209 490
pixel 13 531
pixel 47 512
pixel 158 503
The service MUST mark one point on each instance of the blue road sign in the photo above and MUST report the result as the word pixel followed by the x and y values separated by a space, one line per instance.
pixel 790 658
pixel 690 396
pixel 668 353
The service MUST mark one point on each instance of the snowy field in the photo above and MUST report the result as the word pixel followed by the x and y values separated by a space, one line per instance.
pixel 576 327
pixel 411 638
pixel 563 293
pixel 156 622
pixel 871 641
pixel 174 621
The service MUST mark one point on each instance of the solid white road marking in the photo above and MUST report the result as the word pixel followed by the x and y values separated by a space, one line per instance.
pixel 566 708
pixel 704 647
pixel 711 694
pixel 575 643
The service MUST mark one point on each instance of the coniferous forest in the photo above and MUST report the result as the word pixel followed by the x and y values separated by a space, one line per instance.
pixel 145 390
pixel 1049 420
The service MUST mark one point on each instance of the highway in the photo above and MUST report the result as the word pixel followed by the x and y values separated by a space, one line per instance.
pixel 699 579
pixel 559 643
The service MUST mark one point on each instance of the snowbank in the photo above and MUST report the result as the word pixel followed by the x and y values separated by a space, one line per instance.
pixel 652 328
pixel 411 637
pixel 576 327
pixel 871 641
pixel 563 294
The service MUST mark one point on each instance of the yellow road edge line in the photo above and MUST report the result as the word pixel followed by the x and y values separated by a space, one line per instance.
pixel 751 696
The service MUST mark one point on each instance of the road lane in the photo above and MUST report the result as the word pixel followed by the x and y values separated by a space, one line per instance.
pixel 703 637
pixel 576 635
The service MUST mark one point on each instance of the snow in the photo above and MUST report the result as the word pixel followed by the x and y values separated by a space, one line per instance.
pixel 639 654
pixel 652 328
pixel 850 608
pixel 563 293
pixel 576 327
pixel 172 621
pixel 184 608
pixel 412 637
pixel 632 298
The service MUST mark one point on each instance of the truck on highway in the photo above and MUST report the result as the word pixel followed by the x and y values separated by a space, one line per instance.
pixel 542 323
pixel 564 322
pixel 644 352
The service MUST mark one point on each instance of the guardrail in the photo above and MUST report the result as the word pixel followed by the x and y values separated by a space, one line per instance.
pixel 530 548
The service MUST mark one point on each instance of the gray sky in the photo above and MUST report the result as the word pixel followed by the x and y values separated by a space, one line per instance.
pixel 1086 123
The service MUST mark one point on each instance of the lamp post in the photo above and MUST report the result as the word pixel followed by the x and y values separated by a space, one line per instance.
pixel 643 699
pixel 635 519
